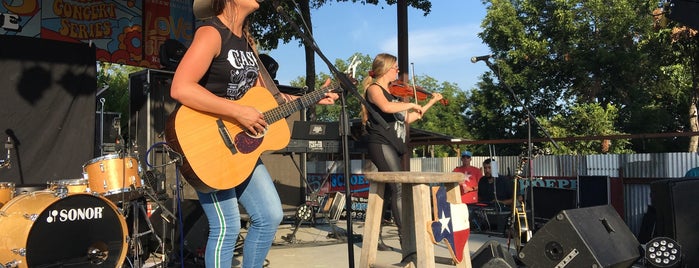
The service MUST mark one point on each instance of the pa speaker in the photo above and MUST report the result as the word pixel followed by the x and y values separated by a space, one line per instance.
pixel 584 237
pixel 492 255
pixel 677 214
pixel 685 11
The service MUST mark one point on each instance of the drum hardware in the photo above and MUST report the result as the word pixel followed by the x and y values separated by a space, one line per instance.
pixel 5 163
pixel 12 264
pixel 136 248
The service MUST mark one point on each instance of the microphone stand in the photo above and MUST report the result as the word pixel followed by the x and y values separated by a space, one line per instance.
pixel 530 118
pixel 348 86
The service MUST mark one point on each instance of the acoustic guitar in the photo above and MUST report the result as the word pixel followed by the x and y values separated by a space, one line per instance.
pixel 218 152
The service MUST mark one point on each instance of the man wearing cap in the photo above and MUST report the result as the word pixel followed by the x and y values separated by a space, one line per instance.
pixel 469 188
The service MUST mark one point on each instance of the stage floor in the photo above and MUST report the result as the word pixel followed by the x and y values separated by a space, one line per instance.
pixel 315 246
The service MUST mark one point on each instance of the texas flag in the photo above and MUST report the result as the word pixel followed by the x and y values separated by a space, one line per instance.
pixel 452 225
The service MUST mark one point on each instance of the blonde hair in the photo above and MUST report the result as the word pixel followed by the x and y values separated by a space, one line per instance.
pixel 380 66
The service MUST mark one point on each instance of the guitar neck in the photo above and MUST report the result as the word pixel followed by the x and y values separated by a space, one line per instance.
pixel 286 109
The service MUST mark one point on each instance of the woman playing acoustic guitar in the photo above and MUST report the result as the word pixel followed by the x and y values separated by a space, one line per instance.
pixel 217 70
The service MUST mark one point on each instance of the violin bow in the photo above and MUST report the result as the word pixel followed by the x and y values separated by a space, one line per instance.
pixel 412 65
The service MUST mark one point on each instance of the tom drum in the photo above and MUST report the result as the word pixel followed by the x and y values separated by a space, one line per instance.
pixel 114 176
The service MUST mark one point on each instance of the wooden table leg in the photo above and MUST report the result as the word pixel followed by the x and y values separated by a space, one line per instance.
pixel 372 224
pixel 423 217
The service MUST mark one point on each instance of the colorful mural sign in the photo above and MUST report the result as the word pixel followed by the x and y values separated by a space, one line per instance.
pixel 166 19
pixel 115 27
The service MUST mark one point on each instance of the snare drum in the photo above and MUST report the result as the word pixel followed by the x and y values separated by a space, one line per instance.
pixel 39 229
pixel 72 186
pixel 113 175
pixel 7 192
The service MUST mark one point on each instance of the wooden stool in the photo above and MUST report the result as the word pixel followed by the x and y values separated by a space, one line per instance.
pixel 416 214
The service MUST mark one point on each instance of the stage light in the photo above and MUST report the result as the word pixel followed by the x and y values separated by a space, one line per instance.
pixel 663 252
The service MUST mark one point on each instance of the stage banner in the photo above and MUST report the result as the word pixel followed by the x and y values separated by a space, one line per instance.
pixel 166 19
pixel 21 18
pixel 126 32
pixel 114 27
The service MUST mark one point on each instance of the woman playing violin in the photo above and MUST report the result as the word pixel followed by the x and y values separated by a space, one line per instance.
pixel 387 146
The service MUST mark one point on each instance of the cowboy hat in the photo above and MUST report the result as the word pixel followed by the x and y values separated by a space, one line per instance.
pixel 203 9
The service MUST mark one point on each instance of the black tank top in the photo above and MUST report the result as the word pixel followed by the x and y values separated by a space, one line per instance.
pixel 378 134
pixel 234 71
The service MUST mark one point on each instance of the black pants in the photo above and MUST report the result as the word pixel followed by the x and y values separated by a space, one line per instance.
pixel 387 159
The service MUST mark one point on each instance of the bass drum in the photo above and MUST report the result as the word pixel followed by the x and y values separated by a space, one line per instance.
pixel 39 229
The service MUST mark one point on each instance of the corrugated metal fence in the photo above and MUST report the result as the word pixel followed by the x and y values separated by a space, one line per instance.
pixel 633 172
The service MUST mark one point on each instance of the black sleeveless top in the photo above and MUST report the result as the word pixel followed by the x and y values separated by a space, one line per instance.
pixel 234 71
pixel 379 134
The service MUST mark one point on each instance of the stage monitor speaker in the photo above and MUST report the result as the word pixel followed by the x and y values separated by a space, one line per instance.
pixel 677 214
pixel 583 237
pixel 593 191
pixel 685 11
pixel 548 202
pixel 492 255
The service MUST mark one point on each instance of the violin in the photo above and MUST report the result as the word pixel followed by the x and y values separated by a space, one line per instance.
pixel 399 88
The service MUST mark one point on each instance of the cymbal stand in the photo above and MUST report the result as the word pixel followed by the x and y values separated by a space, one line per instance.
pixel 166 214
pixel 136 208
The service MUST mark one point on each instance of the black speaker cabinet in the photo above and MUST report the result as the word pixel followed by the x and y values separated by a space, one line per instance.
pixel 492 255
pixel 149 108
pixel 685 11
pixel 583 237
pixel 677 214
pixel 593 191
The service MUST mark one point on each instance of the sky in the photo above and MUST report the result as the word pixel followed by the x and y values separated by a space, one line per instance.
pixel 440 45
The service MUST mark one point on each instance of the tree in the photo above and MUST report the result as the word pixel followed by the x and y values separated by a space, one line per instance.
pixel 556 54
pixel 589 119
pixel 116 78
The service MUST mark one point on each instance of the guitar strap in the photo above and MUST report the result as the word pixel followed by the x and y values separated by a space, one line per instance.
pixel 266 78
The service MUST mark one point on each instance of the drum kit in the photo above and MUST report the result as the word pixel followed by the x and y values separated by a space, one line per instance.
pixel 80 222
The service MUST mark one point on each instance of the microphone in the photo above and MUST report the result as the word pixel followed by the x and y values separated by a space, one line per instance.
pixel 484 57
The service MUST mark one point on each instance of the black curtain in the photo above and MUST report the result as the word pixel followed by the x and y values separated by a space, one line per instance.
pixel 47 107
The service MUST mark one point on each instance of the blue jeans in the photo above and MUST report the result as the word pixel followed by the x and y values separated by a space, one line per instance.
pixel 260 199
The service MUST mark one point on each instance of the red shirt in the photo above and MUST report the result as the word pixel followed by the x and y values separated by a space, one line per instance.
pixel 471 181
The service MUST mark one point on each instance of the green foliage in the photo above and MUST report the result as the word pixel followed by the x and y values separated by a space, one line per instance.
pixel 591 119
pixel 559 54
pixel 116 97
